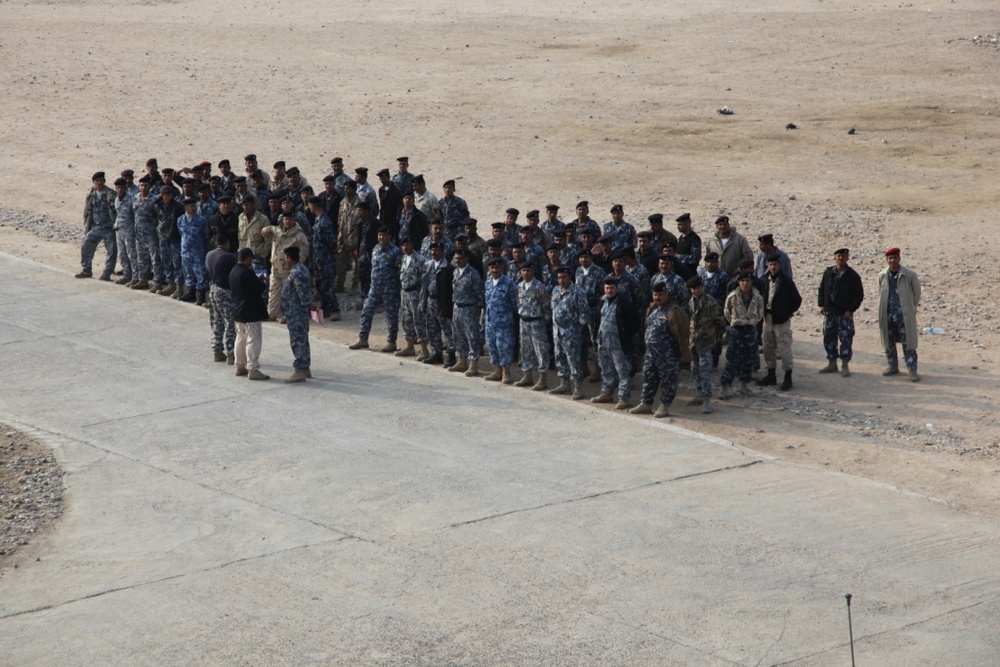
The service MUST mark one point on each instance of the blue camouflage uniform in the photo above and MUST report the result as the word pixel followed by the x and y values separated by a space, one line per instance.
pixel 570 313
pixel 588 225
pixel 206 209
pixel 615 363
pixel 532 308
pixel 411 281
pixel 679 292
pixel 147 243
pixel 716 285
pixel 438 326
pixel 550 229
pixel 194 240
pixel 569 257
pixel 403 181
pixel 591 282
pixel 468 297
pixel 384 290
pixel 622 236
pixel 661 364
pixel 641 275
pixel 501 312
pixel 511 234
pixel 296 297
pixel 454 213
pixel 425 246
pixel 536 256
pixel 125 236
pixel 101 212
pixel 323 256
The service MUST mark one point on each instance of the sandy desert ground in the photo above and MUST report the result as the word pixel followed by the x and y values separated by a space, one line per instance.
pixel 614 102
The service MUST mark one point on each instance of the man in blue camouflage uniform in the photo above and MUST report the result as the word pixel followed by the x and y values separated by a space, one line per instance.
pixel 533 310
pixel 641 275
pixel 98 221
pixel 454 210
pixel 206 205
pixel 516 260
pixel 548 275
pixel 570 314
pixel 667 345
pixel 501 315
pixel 411 282
pixel 435 300
pixel 125 234
pixel 323 255
pixel 716 282
pixel 622 233
pixel 366 193
pixel 615 334
pixel 840 295
pixel 194 240
pixel 437 236
pixel 296 302
pixel 168 211
pixel 219 263
pixel 386 260
pixel 403 178
pixel 585 222
pixel 494 249
pixel 707 327
pixel 532 251
pixel 340 178
pixel 590 279
pixel 149 266
pixel 511 230
pixel 467 296
pixel 567 253
pixel 552 222
pixel 679 293
pixel 542 239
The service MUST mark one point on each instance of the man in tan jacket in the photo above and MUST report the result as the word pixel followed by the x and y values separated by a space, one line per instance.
pixel 288 235
pixel 899 297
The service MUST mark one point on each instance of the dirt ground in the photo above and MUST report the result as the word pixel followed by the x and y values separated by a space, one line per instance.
pixel 528 104
pixel 31 491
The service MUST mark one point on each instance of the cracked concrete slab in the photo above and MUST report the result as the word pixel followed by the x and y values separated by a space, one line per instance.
pixel 390 513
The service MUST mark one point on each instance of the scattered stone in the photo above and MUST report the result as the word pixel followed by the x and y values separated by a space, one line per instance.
pixel 31 491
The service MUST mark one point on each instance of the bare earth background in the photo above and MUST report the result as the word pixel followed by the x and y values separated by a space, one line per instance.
pixel 531 103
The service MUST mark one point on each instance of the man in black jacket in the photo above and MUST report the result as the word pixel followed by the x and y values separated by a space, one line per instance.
pixel 781 301
pixel 840 296
pixel 249 310
pixel 619 324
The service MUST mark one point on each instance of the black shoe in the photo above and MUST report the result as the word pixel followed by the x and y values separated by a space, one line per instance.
pixel 768 380
pixel 188 297
pixel 436 358
pixel 786 384
pixel 451 360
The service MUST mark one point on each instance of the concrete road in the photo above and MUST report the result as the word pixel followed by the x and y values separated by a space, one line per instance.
pixel 389 513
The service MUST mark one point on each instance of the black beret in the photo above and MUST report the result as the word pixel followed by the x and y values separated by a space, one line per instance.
pixel 711 255
pixel 351 184
pixel 518 245
pixel 584 253
pixel 128 173
pixel 288 214
pixel 618 254
pixel 223 163
pixel 337 160
pixel 204 187
pixel 604 238
pixel 628 252
pixel 683 217
pixel 280 164
pixel 669 244
pixel 329 179
pixel 559 234
pixel 841 251
pixel 384 229
pixel 120 181
pixel 494 243
pixel 361 171
pixel 402 159
pixel 225 199
pixel 308 189
pixel 168 191
pixel 498 225
pixel 530 231
pixel 294 171
pixel 665 258
pixel 189 201
pixel 721 219
pixel 405 239
pixel 450 183
pixel 659 287
pixel 315 200
pixel 419 178
pixel 462 252
pixel 215 179
pixel 151 162
pixel 571 226
pixel 531 215
pixel 97 175
pixel 292 252
pixel 245 254
pixel 462 237
pixel 585 230
pixel 774 257
pixel 617 208
pixel 436 244
pixel 552 207
pixel 583 204
pixel 513 211
pixel 745 264
pixel 656 218
pixel 250 158
pixel 562 269
pixel 644 235
pixel 470 222
pixel 766 238
pixel 553 246
pixel 744 276
pixel 610 280
pixel 240 179
pixel 694 281
pixel 146 179
pixel 526 265
pixel 493 261
pixel 165 170
pixel 383 172
pixel 248 199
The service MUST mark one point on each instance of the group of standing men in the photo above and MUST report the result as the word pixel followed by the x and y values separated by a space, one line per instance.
pixel 554 294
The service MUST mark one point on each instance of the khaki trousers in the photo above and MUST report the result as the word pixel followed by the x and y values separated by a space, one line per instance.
pixel 777 344
pixel 249 336
pixel 274 296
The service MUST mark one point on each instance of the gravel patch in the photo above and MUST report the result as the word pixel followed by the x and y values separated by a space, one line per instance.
pixel 31 490
pixel 41 226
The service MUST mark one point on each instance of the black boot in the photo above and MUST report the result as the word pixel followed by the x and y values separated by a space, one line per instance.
pixel 199 297
pixel 451 360
pixel 436 358
pixel 786 384
pixel 188 296
pixel 769 379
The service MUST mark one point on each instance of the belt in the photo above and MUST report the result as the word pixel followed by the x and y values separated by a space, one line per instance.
pixel 411 289
pixel 465 305
pixel 743 327
pixel 529 319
